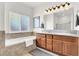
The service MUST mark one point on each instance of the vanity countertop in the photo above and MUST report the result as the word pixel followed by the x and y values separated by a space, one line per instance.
pixel 73 33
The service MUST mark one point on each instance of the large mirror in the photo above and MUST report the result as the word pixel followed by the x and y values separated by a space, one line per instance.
pixel 49 22
pixel 62 20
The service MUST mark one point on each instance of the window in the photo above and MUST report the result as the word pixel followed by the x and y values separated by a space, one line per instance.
pixel 24 23
pixel 18 23
pixel 36 22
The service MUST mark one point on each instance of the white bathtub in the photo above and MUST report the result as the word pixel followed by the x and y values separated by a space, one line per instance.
pixel 10 42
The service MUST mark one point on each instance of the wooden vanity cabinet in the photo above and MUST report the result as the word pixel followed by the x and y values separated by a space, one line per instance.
pixel 64 45
pixel 49 42
pixel 57 44
pixel 70 47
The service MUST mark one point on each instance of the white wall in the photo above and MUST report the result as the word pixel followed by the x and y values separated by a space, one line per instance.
pixel 39 11
pixel 18 8
pixel 1 16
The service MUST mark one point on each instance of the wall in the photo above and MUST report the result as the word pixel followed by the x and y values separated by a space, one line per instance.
pixel 39 11
pixel 2 32
pixel 1 16
pixel 20 9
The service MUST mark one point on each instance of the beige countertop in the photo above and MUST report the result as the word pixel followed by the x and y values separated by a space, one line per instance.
pixel 58 32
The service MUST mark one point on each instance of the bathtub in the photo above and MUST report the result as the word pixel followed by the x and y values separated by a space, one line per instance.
pixel 10 42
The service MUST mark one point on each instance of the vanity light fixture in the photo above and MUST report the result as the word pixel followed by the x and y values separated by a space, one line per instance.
pixel 58 7
pixel 49 9
pixel 64 5
pixel 46 10
pixel 67 6
pixel 54 8
pixel 67 3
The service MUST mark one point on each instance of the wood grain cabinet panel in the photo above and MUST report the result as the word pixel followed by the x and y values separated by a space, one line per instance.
pixel 49 43
pixel 38 40
pixel 70 46
pixel 43 42
pixel 69 49
pixel 57 46
pixel 49 47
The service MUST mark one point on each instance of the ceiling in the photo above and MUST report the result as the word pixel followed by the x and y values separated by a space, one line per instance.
pixel 37 4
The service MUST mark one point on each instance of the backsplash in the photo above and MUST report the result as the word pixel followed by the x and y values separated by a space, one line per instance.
pixel 17 35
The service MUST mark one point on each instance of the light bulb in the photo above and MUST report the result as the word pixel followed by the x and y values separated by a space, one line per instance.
pixel 67 5
pixel 56 9
pixel 61 7
pixel 46 11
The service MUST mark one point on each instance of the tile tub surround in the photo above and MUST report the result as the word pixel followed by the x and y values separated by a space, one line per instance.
pixel 17 35
pixel 2 35
pixel 2 39
pixel 17 50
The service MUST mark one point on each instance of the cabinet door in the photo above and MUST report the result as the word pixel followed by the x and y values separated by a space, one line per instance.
pixel 43 43
pixel 49 42
pixel 57 44
pixel 38 40
pixel 70 46
pixel 43 40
